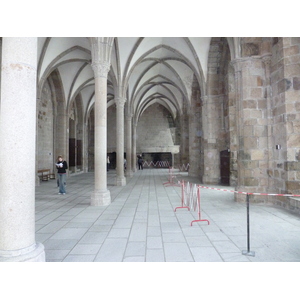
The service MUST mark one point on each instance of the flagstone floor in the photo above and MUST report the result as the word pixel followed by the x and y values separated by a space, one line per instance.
pixel 141 224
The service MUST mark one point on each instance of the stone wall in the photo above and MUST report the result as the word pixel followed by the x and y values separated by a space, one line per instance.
pixel 45 131
pixel 156 130
pixel 195 133
pixel 285 83
pixel 217 111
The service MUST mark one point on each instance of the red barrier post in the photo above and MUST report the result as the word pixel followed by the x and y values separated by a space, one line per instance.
pixel 182 197
pixel 199 209
pixel 171 180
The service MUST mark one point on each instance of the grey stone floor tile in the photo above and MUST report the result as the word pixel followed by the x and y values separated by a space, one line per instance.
pixel 153 220
pixel 141 216
pixel 93 237
pixel 134 259
pixel 85 249
pixel 154 231
pixel 168 219
pixel 112 250
pixel 123 222
pixel 100 228
pixel 119 233
pixel 217 236
pixel 170 227
pixel 135 249
pixel 154 242
pixel 236 230
pixel 64 218
pixel 173 237
pixel 49 218
pixel 74 224
pixel 52 227
pixel 206 254
pixel 104 222
pixel 155 255
pixel 234 257
pixel 138 232
pixel 192 231
pixel 54 244
pixel 57 255
pixel 177 252
pixel 198 241
pixel 42 237
pixel 79 258
pixel 225 246
pixel 70 233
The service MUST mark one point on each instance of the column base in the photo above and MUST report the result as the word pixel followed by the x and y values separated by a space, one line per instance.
pixel 100 198
pixel 34 253
pixel 121 181
pixel 37 181
pixel 210 180
pixel 129 174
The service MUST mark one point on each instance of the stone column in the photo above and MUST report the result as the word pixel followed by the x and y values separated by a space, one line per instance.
pixel 0 61
pixel 101 65
pixel 17 151
pixel 184 137
pixel 121 180
pixel 252 128
pixel 195 134
pixel 268 92
pixel 85 143
pixel 129 172
pixel 212 128
pixel 134 147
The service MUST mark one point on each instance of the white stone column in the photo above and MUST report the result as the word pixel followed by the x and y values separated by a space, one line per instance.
pixel 17 151
pixel 85 143
pixel 134 147
pixel 101 52
pixel 129 172
pixel 121 180
pixel 101 195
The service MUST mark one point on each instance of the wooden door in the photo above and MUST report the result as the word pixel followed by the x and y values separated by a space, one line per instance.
pixel 225 167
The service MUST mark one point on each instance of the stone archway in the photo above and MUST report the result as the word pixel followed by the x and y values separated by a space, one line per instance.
pixel 217 109
pixel 76 134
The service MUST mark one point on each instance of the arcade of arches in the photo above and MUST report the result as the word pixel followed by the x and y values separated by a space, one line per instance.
pixel 228 107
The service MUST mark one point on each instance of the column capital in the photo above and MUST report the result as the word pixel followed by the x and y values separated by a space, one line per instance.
pixel 267 59
pixel 120 101
pixel 101 69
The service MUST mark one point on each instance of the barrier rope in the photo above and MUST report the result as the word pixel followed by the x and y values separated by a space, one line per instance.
pixel 249 193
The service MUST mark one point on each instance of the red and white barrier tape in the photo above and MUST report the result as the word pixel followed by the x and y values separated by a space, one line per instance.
pixel 161 164
pixel 245 193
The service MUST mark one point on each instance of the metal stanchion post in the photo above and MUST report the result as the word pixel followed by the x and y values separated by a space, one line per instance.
pixel 248 252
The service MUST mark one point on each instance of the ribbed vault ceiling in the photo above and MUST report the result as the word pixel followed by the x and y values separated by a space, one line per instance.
pixel 148 70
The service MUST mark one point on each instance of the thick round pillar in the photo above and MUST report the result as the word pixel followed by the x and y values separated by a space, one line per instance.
pixel 129 172
pixel 101 51
pixel 101 195
pixel 121 180
pixel 134 160
pixel 17 151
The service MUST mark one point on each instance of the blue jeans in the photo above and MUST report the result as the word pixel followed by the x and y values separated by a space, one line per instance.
pixel 62 180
